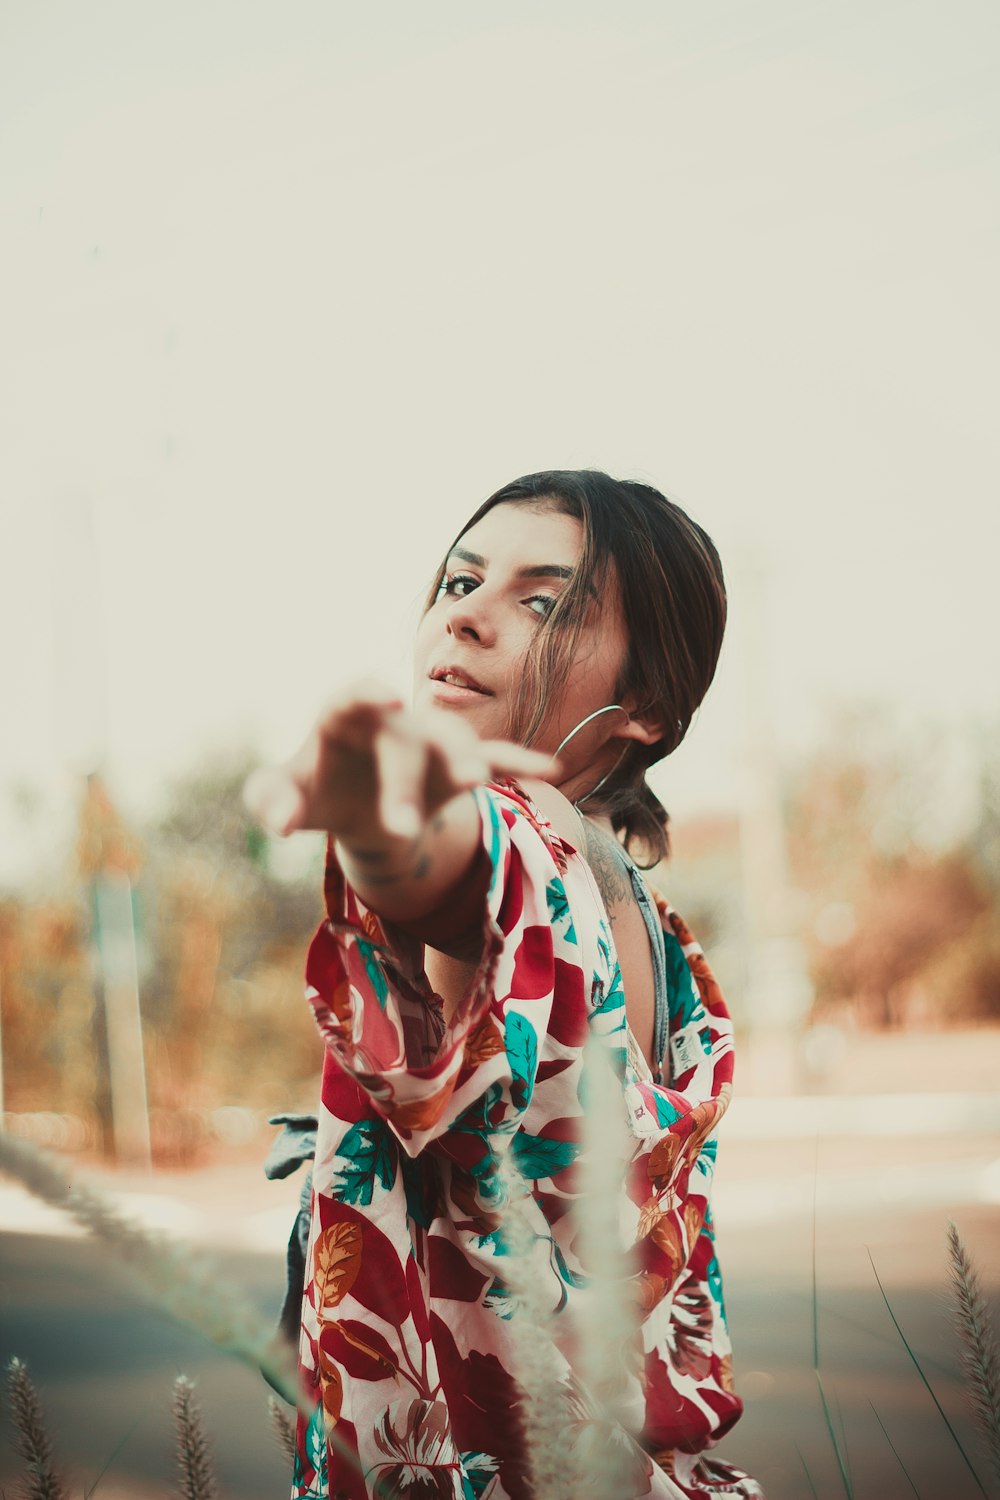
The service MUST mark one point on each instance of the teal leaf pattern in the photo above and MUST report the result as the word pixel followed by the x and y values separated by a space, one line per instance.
pixel 666 1113
pixel 681 989
pixel 494 1241
pixel 374 971
pixel 538 1156
pixel 477 1471
pixel 367 1155
pixel 571 1278
pixel 559 912
pixel 476 1119
pixel 500 1300
pixel 714 1278
pixel 522 1054
pixel 493 839
pixel 316 1457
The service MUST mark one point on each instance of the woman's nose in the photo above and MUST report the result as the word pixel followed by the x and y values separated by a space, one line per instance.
pixel 470 618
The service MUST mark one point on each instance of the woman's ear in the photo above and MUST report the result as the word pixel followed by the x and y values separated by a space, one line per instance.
pixel 646 728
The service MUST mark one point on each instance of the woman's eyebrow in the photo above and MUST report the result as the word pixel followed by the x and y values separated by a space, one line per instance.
pixel 469 557
pixel 546 570
pixel 540 570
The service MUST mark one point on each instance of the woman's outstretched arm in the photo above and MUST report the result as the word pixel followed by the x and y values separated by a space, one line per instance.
pixel 391 787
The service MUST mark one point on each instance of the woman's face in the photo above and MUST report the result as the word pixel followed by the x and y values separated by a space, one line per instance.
pixel 500 581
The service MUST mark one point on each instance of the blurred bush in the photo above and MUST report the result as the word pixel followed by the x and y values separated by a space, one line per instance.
pixel 221 930
pixel 899 894
pixel 895 901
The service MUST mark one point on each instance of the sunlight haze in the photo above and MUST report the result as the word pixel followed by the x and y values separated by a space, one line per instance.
pixel 288 291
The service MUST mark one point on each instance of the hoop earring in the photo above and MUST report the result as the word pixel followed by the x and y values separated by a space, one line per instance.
pixel 607 776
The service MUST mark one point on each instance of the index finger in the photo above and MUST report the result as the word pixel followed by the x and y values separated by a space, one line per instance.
pixel 506 755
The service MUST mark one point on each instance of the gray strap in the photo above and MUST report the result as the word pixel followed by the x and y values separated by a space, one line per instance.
pixel 661 1011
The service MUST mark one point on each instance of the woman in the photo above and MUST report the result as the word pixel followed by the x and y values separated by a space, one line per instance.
pixel 484 920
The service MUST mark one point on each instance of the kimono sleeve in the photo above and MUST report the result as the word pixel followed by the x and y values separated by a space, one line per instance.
pixel 385 1026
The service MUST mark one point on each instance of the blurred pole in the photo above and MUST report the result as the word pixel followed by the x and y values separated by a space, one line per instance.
pixel 115 939
pixel 779 991
pixel 108 858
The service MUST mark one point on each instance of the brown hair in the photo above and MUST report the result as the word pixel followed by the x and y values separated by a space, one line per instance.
pixel 673 597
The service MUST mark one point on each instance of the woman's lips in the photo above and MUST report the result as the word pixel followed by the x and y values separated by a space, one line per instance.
pixel 454 693
pixel 455 680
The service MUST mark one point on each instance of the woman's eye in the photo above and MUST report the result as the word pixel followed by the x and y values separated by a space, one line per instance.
pixel 459 585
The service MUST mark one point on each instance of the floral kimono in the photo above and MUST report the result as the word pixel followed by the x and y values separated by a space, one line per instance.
pixel 409 1342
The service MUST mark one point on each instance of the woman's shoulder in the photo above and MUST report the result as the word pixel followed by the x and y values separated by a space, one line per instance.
pixel 549 807
pixel 547 821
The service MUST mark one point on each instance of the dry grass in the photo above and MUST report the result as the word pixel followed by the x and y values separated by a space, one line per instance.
pixel 194 1458
pixel 195 1291
pixel 545 1410
pixel 284 1429
pixel 569 1431
pixel 552 1411
pixel 190 1287
pixel 30 1437
pixel 977 1345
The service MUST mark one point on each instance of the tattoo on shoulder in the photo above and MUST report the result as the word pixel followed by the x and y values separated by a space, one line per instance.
pixel 609 872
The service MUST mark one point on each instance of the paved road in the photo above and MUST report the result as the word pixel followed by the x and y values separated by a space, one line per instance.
pixel 863 1363
pixel 105 1363
pixel 105 1360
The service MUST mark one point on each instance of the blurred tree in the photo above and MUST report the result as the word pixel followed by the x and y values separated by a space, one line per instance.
pixel 970 971
pixel 895 928
pixel 47 993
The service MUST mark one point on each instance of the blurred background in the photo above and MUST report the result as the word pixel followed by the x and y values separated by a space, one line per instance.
pixel 287 292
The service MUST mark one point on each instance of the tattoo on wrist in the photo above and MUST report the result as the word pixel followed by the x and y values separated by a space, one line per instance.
pixel 415 866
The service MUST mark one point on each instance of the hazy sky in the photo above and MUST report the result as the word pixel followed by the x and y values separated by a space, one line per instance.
pixel 288 289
